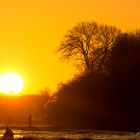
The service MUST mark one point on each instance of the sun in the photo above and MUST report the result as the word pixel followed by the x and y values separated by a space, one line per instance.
pixel 11 83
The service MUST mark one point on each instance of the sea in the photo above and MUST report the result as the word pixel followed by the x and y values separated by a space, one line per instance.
pixel 73 134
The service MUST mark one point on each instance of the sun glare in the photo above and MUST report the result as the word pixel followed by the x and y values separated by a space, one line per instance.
pixel 11 83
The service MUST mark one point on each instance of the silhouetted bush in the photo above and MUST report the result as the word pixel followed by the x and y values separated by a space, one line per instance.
pixel 103 100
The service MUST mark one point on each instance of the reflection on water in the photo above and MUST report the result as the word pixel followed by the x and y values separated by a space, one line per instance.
pixel 74 134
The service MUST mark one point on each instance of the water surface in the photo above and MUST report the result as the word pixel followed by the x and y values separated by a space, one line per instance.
pixel 74 134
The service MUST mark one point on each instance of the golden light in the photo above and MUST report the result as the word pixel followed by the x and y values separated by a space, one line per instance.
pixel 11 83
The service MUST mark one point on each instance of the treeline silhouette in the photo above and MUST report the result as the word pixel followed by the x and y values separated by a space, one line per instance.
pixel 107 94
pixel 16 110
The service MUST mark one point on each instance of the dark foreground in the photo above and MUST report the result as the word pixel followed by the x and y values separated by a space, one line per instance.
pixel 42 133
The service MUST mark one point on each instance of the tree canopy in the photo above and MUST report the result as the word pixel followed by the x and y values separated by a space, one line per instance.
pixel 88 44
pixel 125 54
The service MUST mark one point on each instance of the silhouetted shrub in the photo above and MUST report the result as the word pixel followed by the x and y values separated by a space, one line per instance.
pixel 103 100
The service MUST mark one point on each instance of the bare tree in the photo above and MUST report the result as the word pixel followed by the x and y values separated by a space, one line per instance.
pixel 87 43
pixel 105 38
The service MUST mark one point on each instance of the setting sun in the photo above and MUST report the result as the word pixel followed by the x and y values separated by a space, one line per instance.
pixel 11 83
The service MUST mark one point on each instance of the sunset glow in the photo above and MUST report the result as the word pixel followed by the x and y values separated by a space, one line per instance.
pixel 31 31
pixel 69 69
pixel 11 83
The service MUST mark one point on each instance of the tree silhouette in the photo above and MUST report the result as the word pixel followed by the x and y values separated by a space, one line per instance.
pixel 106 37
pixel 99 100
pixel 125 55
pixel 88 44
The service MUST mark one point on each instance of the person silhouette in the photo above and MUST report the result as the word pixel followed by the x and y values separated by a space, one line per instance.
pixel 8 135
pixel 30 120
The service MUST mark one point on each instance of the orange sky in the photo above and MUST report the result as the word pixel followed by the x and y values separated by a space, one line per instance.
pixel 31 30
